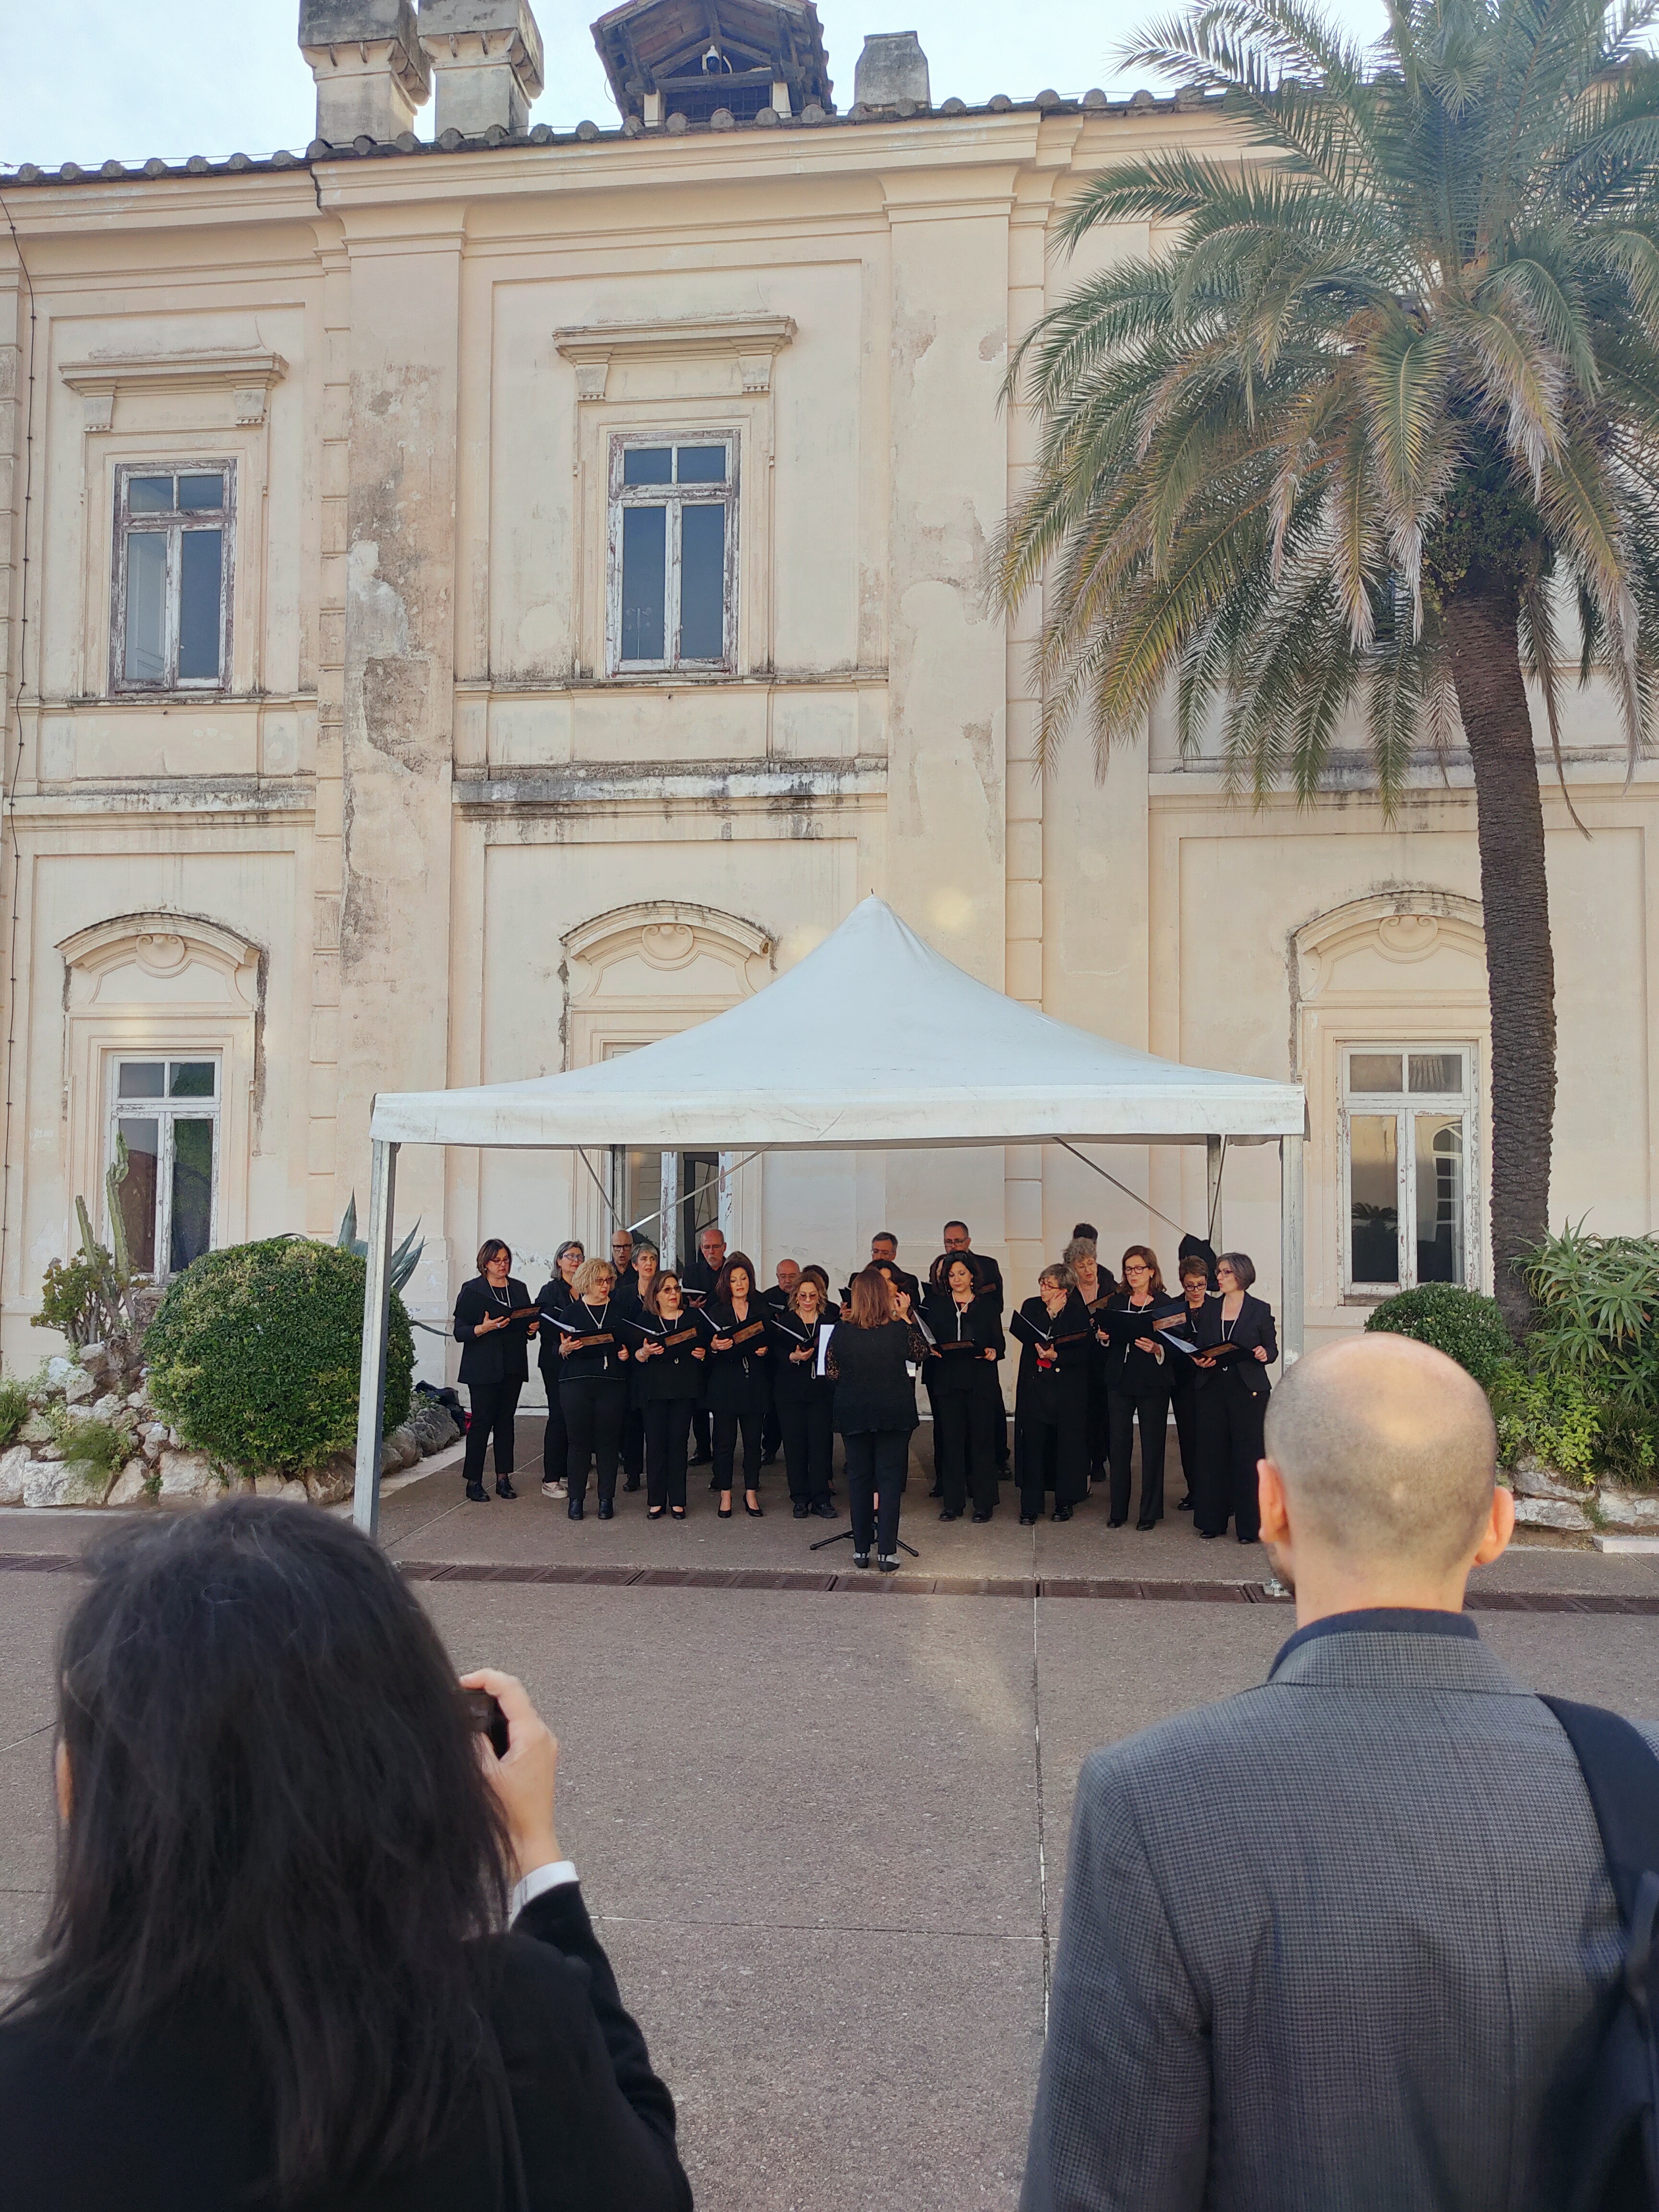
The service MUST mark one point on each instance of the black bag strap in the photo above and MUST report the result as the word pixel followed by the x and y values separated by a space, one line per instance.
pixel 1622 1776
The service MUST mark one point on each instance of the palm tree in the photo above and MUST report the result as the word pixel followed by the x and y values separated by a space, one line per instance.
pixel 1377 437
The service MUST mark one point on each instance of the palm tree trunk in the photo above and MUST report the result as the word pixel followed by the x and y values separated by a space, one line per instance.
pixel 1492 698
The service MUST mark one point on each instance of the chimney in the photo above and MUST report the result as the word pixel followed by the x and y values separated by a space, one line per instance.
pixel 486 57
pixel 370 71
pixel 891 68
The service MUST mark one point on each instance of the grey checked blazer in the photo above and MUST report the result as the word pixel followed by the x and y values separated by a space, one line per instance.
pixel 1342 1942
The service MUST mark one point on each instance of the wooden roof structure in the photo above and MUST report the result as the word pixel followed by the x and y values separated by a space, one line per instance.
pixel 703 55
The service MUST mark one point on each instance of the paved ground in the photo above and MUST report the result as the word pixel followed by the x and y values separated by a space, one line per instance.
pixel 826 1835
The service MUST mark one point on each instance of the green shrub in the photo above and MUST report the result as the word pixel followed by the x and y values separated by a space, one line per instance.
pixel 1466 1326
pixel 14 1409
pixel 96 1447
pixel 254 1354
pixel 1550 1419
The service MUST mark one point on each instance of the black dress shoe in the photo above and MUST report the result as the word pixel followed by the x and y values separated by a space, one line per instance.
pixel 1210 1535
pixel 504 1486
pixel 1028 1520
pixel 949 1516
pixel 822 1510
pixel 981 1516
pixel 755 1512
pixel 573 1511
pixel 632 1482
pixel 1250 1540
pixel 700 1459
pixel 1186 1504
pixel 1064 1513
pixel 938 1490
pixel 800 1509
pixel 1145 1524
pixel 723 1512
pixel 477 1494
pixel 769 1459
pixel 886 1566
pixel 607 1509
pixel 1117 1520
pixel 860 1558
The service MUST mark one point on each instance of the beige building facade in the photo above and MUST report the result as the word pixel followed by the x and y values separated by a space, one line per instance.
pixel 475 607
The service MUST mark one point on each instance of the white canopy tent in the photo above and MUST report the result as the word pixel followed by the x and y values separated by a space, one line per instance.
pixel 853 1042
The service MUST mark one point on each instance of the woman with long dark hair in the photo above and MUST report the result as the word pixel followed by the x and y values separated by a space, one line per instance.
pixel 739 1388
pixel 668 1359
pixel 874 1356
pixel 276 1970
pixel 493 1328
pixel 962 1363
pixel 805 1398
pixel 1138 1385
pixel 592 1384
pixel 1239 1340
pixel 555 1440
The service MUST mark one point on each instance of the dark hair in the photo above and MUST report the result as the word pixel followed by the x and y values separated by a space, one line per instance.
pixel 886 1237
pixel 571 1244
pixel 962 1225
pixel 820 1275
pixel 946 1260
pixel 653 1288
pixel 1144 1252
pixel 723 1280
pixel 1085 1229
pixel 488 1250
pixel 1241 1265
pixel 1193 1267
pixel 277 1805
pixel 870 1299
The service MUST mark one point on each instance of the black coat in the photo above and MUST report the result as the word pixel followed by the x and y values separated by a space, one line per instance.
pixel 1127 1368
pixel 180 2127
pixel 1255 1326
pixel 501 1355
pixel 595 1363
pixel 697 1275
pixel 738 1381
pixel 673 1371
pixel 552 1298
pixel 874 1388
pixel 980 1329
pixel 796 1383
pixel 1183 1376
pixel 1042 1392
pixel 985 1268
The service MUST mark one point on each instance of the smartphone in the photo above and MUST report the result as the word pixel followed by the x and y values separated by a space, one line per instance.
pixel 489 1720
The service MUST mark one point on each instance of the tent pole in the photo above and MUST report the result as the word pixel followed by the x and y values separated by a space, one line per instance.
pixel 1214 1153
pixel 1291 1290
pixel 668 1210
pixel 377 1301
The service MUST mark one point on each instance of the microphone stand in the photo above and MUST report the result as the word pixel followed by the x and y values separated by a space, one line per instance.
pixel 845 1536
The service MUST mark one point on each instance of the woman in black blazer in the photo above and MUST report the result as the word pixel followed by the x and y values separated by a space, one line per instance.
pixel 1233 1390
pixel 1138 1384
pixel 739 1387
pixel 1183 1376
pixel 1051 1398
pixel 279 1969
pixel 962 1363
pixel 495 1364
pixel 805 1399
pixel 556 1444
pixel 875 1355
pixel 592 1382
pixel 669 1351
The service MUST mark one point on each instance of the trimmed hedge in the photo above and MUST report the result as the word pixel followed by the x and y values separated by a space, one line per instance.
pixel 1463 1324
pixel 253 1357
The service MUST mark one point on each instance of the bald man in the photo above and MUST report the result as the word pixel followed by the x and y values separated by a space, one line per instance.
pixel 1341 1943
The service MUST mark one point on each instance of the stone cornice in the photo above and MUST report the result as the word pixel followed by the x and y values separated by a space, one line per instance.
pixel 247 376
pixel 753 341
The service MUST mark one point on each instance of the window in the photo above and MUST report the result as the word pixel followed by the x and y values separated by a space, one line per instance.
pixel 1407 1117
pixel 170 623
pixel 164 1133
pixel 636 1195
pixel 672 590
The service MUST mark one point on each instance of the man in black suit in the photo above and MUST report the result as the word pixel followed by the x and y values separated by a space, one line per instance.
pixel 622 1258
pixel 957 1239
pixel 883 1252
pixel 1347 1939
pixel 699 1276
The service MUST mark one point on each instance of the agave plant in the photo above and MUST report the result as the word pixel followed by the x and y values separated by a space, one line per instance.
pixel 405 1260
pixel 1378 436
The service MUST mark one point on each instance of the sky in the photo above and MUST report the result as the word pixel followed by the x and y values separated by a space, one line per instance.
pixel 88 81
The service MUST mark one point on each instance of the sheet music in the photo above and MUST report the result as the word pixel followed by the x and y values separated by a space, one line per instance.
pixel 826 1330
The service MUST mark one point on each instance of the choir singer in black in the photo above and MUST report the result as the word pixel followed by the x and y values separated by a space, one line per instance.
pixel 493 1322
pixel 592 1384
pixel 1183 1376
pixel 804 1398
pixel 1051 1398
pixel 734 1331
pixel 1137 1383
pixel 962 1363
pixel 555 1440
pixel 873 1360
pixel 669 1351
pixel 1237 1333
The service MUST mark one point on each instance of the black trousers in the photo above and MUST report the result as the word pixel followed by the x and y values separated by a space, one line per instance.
pixel 809 1443
pixel 555 1443
pixel 1184 1404
pixel 700 1429
pixel 1153 1408
pixel 1053 1455
pixel 878 1461
pixel 1229 1420
pixel 633 1443
pixel 494 1406
pixel 772 1426
pixel 593 1415
pixel 1100 1417
pixel 964 1451
pixel 725 1428
pixel 667 1431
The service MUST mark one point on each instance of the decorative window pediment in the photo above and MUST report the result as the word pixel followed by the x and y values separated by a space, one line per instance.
pixel 246 377
pixel 739 348
pixel 695 957
pixel 162 959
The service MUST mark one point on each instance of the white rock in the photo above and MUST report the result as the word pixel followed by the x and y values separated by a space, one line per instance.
pixel 295 1490
pixel 155 1435
pixel 58 1371
pixel 1533 1480
pixel 187 1475
pixel 175 1441
pixel 1625 1508
pixel 78 1386
pixel 12 1463
pixel 327 1485
pixel 107 1407
pixel 129 1488
pixel 50 1482
pixel 135 1399
pixel 268 1485
pixel 1550 1513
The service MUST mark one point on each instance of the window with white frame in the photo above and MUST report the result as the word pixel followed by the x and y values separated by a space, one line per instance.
pixel 1411 1181
pixel 164 1146
pixel 672 585
pixel 170 618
